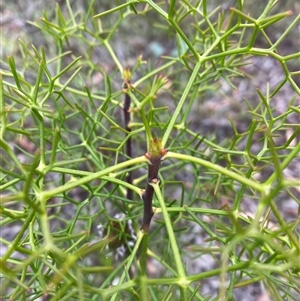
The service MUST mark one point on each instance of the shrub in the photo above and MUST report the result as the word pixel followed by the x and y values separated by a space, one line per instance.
pixel 84 128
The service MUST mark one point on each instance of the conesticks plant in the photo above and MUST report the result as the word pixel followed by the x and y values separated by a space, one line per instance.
pixel 112 185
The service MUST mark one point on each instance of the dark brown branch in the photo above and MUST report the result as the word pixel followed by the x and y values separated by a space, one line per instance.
pixel 147 196
pixel 154 155
pixel 128 147
pixel 126 108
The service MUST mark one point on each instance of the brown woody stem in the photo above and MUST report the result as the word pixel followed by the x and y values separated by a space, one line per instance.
pixel 126 111
pixel 153 168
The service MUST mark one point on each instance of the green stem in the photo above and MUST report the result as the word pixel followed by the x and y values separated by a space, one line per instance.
pixel 46 230
pixel 186 39
pixel 43 196
pixel 169 281
pixel 178 109
pixel 154 72
pixel 112 10
pixel 293 154
pixel 129 262
pixel 157 8
pixel 263 188
pixel 113 55
pixel 19 236
pixel 104 178
pixel 3 110
pixel 178 262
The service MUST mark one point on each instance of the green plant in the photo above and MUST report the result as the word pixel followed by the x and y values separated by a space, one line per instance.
pixel 69 162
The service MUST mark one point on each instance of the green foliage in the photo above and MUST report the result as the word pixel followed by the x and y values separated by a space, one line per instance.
pixel 64 165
